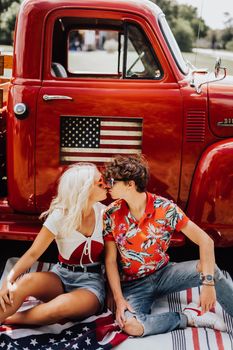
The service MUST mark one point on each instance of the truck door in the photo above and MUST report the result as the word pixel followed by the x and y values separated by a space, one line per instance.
pixel 107 89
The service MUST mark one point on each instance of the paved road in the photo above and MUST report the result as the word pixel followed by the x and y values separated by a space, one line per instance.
pixel 215 53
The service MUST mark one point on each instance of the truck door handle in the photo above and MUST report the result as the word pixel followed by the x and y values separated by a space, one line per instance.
pixel 56 97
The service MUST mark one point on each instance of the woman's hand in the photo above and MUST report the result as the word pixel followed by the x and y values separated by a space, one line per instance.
pixel 121 306
pixel 207 298
pixel 6 294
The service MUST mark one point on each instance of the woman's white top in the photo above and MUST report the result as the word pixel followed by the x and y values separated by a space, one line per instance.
pixel 76 248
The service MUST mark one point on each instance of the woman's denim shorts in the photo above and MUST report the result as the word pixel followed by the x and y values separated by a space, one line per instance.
pixel 94 282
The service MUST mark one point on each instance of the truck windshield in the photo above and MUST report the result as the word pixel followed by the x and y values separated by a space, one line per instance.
pixel 171 41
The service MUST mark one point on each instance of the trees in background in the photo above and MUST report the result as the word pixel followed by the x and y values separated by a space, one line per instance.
pixel 187 26
pixel 184 21
pixel 227 33
pixel 8 13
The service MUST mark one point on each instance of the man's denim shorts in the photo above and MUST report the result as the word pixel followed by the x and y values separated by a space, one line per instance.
pixel 94 282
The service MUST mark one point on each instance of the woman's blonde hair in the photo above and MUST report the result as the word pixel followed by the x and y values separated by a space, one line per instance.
pixel 72 195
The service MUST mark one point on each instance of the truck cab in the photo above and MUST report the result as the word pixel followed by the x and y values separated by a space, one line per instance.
pixel 94 79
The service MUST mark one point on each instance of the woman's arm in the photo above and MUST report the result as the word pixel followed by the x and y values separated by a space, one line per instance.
pixel 114 281
pixel 207 261
pixel 41 243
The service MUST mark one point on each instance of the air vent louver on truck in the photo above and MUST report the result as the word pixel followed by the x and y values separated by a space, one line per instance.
pixel 195 126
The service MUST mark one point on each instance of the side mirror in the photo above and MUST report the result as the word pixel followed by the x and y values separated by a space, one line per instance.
pixel 217 70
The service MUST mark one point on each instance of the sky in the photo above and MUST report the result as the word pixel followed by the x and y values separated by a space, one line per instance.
pixel 212 11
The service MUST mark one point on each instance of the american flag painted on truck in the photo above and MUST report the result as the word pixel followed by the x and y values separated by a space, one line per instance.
pixel 97 139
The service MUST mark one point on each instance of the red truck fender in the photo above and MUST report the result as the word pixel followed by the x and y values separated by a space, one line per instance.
pixel 211 197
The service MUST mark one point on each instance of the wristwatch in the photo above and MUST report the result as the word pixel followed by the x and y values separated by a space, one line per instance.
pixel 207 279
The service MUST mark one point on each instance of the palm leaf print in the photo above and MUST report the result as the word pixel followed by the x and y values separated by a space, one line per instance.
pixel 172 215
pixel 148 243
pixel 132 255
pixel 131 232
pixel 161 202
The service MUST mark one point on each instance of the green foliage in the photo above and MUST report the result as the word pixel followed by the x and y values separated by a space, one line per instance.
pixel 229 45
pixel 4 4
pixel 189 13
pixel 7 19
pixel 184 35
pixel 227 33
pixel 170 8
pixel 199 27
pixel 183 17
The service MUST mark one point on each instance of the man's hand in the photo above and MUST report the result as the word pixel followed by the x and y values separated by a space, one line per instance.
pixel 207 298
pixel 121 306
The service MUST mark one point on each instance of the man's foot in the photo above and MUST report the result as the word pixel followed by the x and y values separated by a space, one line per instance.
pixel 208 319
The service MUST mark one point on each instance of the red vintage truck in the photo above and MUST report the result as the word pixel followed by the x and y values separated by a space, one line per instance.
pixel 92 79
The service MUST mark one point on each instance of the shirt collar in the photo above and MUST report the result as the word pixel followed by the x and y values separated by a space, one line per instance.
pixel 149 205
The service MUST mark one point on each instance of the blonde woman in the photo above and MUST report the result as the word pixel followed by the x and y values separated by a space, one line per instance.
pixel 74 288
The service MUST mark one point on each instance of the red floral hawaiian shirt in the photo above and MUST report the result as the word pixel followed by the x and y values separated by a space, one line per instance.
pixel 142 244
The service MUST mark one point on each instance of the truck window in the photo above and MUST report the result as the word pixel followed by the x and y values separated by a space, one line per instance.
pixel 102 48
pixel 94 52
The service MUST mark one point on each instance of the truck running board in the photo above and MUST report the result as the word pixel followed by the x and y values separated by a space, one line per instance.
pixel 19 231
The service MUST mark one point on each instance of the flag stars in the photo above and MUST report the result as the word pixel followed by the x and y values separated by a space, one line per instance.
pixel 33 342
pixel 81 133
pixel 9 346
pixel 88 341
pixel 75 346
pixel 86 328
pixel 52 340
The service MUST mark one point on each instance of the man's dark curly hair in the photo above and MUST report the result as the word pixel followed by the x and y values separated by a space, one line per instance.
pixel 129 168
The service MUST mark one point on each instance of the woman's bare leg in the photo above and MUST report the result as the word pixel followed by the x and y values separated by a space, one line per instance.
pixel 77 304
pixel 42 285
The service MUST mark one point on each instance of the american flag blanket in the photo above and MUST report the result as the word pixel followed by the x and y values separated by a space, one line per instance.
pixel 100 331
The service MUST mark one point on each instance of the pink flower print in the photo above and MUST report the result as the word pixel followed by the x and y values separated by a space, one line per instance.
pixel 121 239
pixel 122 227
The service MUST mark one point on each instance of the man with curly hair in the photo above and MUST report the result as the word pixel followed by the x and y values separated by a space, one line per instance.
pixel 137 231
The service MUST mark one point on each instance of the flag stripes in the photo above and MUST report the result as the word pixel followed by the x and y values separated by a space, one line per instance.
pixel 98 139
pixel 178 336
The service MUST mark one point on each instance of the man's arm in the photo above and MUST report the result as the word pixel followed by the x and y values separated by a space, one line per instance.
pixel 114 281
pixel 207 261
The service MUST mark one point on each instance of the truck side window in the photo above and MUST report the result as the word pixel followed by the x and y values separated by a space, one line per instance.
pixel 103 48
pixel 93 51
pixel 141 60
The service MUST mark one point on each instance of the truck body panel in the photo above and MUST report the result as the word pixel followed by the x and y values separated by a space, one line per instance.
pixel 99 78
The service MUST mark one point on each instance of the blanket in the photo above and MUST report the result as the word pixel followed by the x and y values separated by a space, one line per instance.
pixel 101 332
